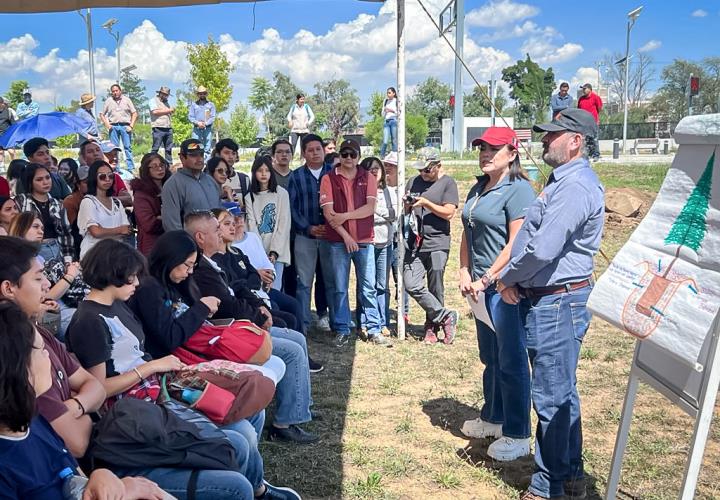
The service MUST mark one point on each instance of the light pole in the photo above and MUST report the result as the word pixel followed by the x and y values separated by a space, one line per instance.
pixel 632 17
pixel 108 25
pixel 91 58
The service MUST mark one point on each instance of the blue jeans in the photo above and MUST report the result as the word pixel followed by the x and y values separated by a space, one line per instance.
pixel 51 250
pixel 382 274
pixel 389 133
pixel 364 262
pixel 288 304
pixel 555 327
pixel 293 391
pixel 211 484
pixel 506 378
pixel 307 250
pixel 205 136
pixel 121 138
pixel 251 429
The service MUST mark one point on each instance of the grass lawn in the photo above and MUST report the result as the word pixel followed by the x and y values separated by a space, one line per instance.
pixel 391 417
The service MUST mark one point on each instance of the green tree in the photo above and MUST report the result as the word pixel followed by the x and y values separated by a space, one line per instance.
pixel 476 104
pixel 432 100
pixel 416 126
pixel 261 91
pixel 531 87
pixel 210 67
pixel 182 128
pixel 671 99
pixel 243 126
pixel 14 93
pixel 337 107
pixel 416 130
pixel 283 96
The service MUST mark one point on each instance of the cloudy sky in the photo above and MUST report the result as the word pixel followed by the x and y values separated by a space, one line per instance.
pixel 314 40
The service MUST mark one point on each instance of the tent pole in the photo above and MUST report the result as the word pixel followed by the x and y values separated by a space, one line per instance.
pixel 401 157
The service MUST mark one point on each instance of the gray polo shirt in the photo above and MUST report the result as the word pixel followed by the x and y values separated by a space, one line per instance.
pixel 486 216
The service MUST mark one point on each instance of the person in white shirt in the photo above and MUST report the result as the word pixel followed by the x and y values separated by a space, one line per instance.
pixel 299 119
pixel 389 113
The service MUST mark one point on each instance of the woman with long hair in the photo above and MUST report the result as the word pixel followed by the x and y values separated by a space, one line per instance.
pixel 58 242
pixel 14 176
pixel 268 213
pixel 218 169
pixel 101 215
pixel 389 113
pixel 68 169
pixel 299 119
pixel 147 192
pixel 8 211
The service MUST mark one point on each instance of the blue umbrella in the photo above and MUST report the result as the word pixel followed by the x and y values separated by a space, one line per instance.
pixel 47 125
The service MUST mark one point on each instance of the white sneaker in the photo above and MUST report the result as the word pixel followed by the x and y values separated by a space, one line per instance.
pixel 479 429
pixel 506 449
pixel 323 324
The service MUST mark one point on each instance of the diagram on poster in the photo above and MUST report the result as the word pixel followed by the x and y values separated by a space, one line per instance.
pixel 663 286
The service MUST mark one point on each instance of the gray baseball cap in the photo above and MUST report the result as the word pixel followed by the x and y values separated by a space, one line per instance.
pixel 571 120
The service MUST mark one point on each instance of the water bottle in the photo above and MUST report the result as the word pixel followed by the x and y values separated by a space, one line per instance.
pixel 73 485
pixel 190 396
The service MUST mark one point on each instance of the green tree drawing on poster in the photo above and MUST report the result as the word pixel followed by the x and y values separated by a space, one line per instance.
pixel 689 228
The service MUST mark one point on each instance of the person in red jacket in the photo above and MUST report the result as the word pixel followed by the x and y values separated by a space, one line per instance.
pixel 146 190
pixel 591 103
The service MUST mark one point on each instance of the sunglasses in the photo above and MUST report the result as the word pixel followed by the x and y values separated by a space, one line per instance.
pixel 106 177
pixel 349 154
pixel 428 170
pixel 221 171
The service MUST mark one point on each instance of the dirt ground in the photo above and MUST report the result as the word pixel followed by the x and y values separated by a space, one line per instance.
pixel 391 416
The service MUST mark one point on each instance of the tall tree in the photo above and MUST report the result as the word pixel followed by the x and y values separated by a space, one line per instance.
pixel 182 128
pixel 14 93
pixel 711 87
pixel 432 100
pixel 641 75
pixel 337 106
pixel 283 96
pixel 243 126
pixel 671 100
pixel 531 87
pixel 260 99
pixel 476 104
pixel 210 67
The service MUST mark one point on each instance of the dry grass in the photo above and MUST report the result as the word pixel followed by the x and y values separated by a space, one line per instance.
pixel 391 417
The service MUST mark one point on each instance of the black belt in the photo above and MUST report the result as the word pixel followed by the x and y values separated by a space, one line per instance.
pixel 124 124
pixel 543 291
pixel 164 129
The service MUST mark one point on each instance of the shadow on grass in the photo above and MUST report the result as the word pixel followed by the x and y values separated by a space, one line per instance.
pixel 449 415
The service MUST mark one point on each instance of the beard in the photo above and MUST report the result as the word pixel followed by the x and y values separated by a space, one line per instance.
pixel 555 156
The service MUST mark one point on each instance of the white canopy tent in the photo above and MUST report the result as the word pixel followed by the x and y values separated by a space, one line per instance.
pixel 37 6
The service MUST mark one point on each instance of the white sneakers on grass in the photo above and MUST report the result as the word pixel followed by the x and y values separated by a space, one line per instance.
pixel 504 449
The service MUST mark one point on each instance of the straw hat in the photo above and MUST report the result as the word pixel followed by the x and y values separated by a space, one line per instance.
pixel 86 99
pixel 201 89
pixel 164 90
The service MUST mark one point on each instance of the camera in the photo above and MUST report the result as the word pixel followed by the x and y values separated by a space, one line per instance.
pixel 410 199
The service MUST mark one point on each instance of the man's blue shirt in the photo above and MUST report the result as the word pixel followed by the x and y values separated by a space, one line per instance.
pixel 558 103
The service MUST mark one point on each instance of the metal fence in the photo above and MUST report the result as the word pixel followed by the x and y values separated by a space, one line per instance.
pixel 660 130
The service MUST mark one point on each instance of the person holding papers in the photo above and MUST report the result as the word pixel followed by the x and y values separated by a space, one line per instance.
pixel 493 213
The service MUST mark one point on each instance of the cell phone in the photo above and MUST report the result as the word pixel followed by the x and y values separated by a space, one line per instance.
pixel 222 322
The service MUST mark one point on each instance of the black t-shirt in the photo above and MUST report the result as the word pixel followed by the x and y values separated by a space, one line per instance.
pixel 434 230
pixel 49 230
pixel 106 334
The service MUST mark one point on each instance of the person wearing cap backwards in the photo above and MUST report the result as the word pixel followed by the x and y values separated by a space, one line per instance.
pixel 592 103
pixel 85 113
pixel 347 198
pixel 119 116
pixel 550 277
pixel 162 132
pixel 27 108
pixel 430 201
pixel 189 189
pixel 201 114
pixel 492 215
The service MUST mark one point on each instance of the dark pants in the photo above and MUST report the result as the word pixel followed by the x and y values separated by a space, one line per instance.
pixel 163 138
pixel 289 305
pixel 296 137
pixel 321 303
pixel 430 296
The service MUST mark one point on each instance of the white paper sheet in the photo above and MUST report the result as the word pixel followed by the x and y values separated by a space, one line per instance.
pixel 479 310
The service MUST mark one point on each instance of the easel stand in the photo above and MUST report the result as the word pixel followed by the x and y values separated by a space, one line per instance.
pixel 695 394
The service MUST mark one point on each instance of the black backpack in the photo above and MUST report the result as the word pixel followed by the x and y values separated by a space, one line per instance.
pixel 140 434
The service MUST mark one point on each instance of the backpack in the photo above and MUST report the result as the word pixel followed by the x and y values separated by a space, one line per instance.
pixel 136 433
pixel 241 341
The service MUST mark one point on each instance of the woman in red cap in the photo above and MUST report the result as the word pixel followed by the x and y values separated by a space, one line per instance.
pixel 492 215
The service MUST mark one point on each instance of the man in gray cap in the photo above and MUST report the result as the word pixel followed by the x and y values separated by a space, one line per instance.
pixel 550 276
pixel 162 132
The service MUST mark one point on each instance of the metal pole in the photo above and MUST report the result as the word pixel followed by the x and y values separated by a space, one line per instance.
pixel 117 52
pixel 627 82
pixel 458 125
pixel 91 57
pixel 491 88
pixel 401 156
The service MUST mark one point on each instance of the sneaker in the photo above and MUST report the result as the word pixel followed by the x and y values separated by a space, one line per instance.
pixel 430 336
pixel 278 493
pixel 479 429
pixel 507 449
pixel 386 331
pixel 292 434
pixel 342 339
pixel 378 339
pixel 576 489
pixel 315 367
pixel 528 495
pixel 449 327
pixel 323 324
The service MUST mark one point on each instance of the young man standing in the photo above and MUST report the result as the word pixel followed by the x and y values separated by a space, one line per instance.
pixel 282 154
pixel 431 200
pixel 202 116
pixel 592 103
pixel 347 198
pixel 189 189
pixel 119 116
pixel 162 132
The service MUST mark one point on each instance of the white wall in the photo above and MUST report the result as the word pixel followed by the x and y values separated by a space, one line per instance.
pixel 468 122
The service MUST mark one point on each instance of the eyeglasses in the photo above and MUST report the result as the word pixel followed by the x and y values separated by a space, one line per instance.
pixel 158 165
pixel 349 154
pixel 106 177
pixel 221 171
pixel 189 266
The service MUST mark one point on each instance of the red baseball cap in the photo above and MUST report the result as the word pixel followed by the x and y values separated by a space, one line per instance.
pixel 498 136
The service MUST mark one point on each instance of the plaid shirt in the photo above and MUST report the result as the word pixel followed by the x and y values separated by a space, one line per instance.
pixel 304 192
pixel 57 212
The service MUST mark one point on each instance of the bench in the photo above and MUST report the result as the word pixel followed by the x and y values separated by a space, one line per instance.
pixel 653 145
pixel 525 135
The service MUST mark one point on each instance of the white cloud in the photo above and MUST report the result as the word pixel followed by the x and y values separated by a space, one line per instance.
pixel 650 46
pixel 496 14
pixel 582 76
pixel 543 51
pixel 16 54
pixel 699 13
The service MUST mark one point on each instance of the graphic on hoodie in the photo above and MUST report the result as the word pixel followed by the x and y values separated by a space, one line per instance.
pixel 267 219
